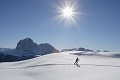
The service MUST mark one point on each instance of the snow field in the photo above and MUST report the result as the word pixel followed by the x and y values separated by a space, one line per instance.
pixel 59 66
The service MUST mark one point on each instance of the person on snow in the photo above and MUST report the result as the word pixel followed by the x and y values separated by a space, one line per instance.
pixel 76 62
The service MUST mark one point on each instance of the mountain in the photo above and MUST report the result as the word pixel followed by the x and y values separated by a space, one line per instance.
pixel 25 49
pixel 27 45
pixel 5 49
pixel 76 49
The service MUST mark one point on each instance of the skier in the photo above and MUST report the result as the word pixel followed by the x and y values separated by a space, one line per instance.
pixel 76 62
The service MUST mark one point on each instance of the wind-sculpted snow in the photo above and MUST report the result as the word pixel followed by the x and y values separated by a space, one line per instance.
pixel 60 66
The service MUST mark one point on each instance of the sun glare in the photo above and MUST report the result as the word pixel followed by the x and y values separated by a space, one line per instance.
pixel 67 12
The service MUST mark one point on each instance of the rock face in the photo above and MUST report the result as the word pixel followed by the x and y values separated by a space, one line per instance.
pixel 28 46
pixel 46 48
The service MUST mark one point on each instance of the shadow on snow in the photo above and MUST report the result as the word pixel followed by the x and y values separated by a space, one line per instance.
pixel 78 65
pixel 51 65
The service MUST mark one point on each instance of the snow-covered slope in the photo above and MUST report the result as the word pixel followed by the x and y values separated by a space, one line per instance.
pixel 5 49
pixel 59 66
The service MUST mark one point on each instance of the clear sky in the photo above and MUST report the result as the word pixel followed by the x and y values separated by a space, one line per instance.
pixel 95 24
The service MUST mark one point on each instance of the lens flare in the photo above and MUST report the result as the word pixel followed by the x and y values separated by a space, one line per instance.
pixel 67 12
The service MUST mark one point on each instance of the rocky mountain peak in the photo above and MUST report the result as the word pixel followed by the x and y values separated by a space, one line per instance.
pixel 26 45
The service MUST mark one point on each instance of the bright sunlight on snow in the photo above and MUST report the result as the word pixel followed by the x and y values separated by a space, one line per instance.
pixel 60 66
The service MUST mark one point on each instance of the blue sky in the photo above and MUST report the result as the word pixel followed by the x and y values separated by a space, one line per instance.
pixel 96 27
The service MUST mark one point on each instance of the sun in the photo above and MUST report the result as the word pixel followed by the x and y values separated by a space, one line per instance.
pixel 67 12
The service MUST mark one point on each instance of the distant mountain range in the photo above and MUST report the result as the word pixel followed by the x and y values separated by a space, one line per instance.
pixel 76 49
pixel 25 49
pixel 82 49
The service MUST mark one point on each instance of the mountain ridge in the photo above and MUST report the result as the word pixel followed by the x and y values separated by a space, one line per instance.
pixel 25 49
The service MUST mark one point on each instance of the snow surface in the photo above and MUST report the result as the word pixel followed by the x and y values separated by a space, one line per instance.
pixel 59 66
